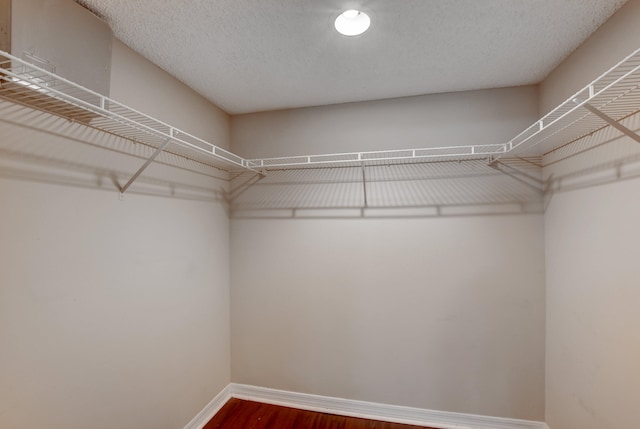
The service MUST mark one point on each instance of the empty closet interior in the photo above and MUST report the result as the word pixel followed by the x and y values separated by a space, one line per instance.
pixel 469 252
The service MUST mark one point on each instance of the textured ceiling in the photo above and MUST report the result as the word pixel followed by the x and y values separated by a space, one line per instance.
pixel 255 55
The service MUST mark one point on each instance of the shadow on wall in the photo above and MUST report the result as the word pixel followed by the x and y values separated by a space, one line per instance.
pixel 437 189
pixel 41 147
pixel 601 158
pixel 38 146
pixel 427 189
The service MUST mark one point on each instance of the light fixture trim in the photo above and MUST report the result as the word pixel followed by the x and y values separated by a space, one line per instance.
pixel 352 22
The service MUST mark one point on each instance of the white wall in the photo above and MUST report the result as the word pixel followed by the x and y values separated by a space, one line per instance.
pixel 612 42
pixel 80 50
pixel 143 86
pixel 593 341
pixel 591 229
pixel 445 313
pixel 487 117
pixel 113 313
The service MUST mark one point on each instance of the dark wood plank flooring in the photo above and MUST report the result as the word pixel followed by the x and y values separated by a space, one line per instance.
pixel 240 414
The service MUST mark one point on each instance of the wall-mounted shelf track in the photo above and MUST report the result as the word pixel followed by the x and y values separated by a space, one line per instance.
pixel 606 101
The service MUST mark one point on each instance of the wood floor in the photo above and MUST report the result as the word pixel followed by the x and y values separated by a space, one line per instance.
pixel 240 414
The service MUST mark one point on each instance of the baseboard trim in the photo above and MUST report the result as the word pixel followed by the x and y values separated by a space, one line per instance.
pixel 370 410
pixel 210 409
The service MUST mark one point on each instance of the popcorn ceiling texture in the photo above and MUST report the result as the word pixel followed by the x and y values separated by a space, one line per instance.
pixel 248 56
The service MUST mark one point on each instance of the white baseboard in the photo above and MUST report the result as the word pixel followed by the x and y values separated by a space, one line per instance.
pixel 353 408
pixel 370 410
pixel 210 409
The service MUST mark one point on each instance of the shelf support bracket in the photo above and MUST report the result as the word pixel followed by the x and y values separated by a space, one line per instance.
pixel 520 176
pixel 609 120
pixel 145 165
pixel 364 186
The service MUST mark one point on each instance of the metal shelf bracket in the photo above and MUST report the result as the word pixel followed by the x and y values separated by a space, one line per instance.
pixel 157 152
pixel 609 120
pixel 364 187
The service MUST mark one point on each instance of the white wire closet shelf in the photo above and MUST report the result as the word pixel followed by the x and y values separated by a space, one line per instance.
pixel 33 86
pixel 607 100
pixel 612 97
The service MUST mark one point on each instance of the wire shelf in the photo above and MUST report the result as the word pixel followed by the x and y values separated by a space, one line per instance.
pixel 412 187
pixel 35 87
pixel 615 94
pixel 388 157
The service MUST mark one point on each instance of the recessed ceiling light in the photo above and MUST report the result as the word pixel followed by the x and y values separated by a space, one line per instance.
pixel 352 22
